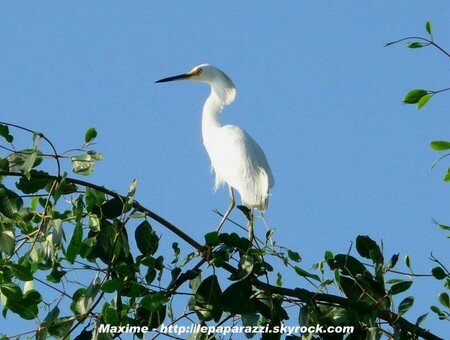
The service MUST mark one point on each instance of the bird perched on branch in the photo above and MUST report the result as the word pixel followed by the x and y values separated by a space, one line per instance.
pixel 236 158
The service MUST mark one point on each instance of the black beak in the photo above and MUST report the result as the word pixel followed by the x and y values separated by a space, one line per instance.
pixel 179 77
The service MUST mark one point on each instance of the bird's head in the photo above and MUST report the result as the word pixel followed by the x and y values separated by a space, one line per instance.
pixel 220 83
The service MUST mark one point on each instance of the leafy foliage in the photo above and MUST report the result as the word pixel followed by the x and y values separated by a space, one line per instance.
pixel 420 97
pixel 53 226
pixel 440 272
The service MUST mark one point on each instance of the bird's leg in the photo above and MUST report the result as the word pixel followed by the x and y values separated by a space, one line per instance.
pixel 251 233
pixel 250 218
pixel 269 232
pixel 230 207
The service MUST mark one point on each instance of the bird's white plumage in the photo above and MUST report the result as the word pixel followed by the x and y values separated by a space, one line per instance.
pixel 235 156
pixel 240 162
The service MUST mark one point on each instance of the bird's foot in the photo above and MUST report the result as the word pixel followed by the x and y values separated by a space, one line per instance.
pixel 247 212
pixel 207 253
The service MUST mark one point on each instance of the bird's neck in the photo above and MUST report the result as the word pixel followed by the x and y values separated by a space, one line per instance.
pixel 211 115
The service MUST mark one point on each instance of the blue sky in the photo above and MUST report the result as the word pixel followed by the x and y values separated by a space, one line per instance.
pixel 315 88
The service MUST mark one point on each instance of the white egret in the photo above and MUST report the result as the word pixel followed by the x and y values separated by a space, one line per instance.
pixel 236 158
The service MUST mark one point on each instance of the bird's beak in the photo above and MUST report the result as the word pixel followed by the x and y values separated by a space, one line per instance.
pixel 178 77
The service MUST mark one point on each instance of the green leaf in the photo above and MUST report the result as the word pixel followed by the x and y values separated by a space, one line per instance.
pixel 408 261
pixel 369 249
pixel 86 298
pixel 10 202
pixel 440 145
pixel 244 244
pixel 447 176
pixel 151 275
pixel 113 285
pixel 51 316
pixel 33 296
pixel 344 316
pixel 392 262
pixel 405 305
pixel 209 290
pixel 236 296
pixel 422 101
pixel 174 273
pixel 132 188
pixel 231 240
pixel 4 132
pixel 245 268
pixel 41 332
pixel 304 273
pixel 207 299
pixel 420 319
pixel 154 301
pixel 94 198
pixel 350 288
pixel 428 27
pixel 269 307
pixel 294 256
pixel 23 273
pixel 7 239
pixel 279 281
pixel 17 159
pixel 11 291
pixel 28 164
pixel 399 287
pixel 438 273
pixel 25 308
pixel 96 156
pixel 328 255
pixel 4 166
pixel 77 295
pixel 150 319
pixel 348 264
pixel 444 299
pixel 146 239
pixel 250 320
pixel 212 238
pixel 113 208
pixel 36 139
pixel 56 274
pixel 83 164
pixel 34 182
pixel 413 97
pixel 75 243
pixel 87 245
pixel 194 283
pixel 415 44
pixel 111 316
pixel 61 327
pixel 176 252
pixel 90 135
pixel 436 310
pixel 64 187
pixel 443 226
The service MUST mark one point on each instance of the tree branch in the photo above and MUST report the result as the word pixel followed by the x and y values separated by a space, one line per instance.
pixel 136 205
pixel 303 295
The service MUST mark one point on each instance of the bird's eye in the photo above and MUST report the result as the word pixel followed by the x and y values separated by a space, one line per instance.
pixel 198 71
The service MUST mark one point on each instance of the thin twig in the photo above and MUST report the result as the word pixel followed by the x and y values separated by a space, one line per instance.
pixel 428 41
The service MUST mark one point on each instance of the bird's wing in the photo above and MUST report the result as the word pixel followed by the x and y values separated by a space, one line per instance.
pixel 255 152
pixel 240 157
